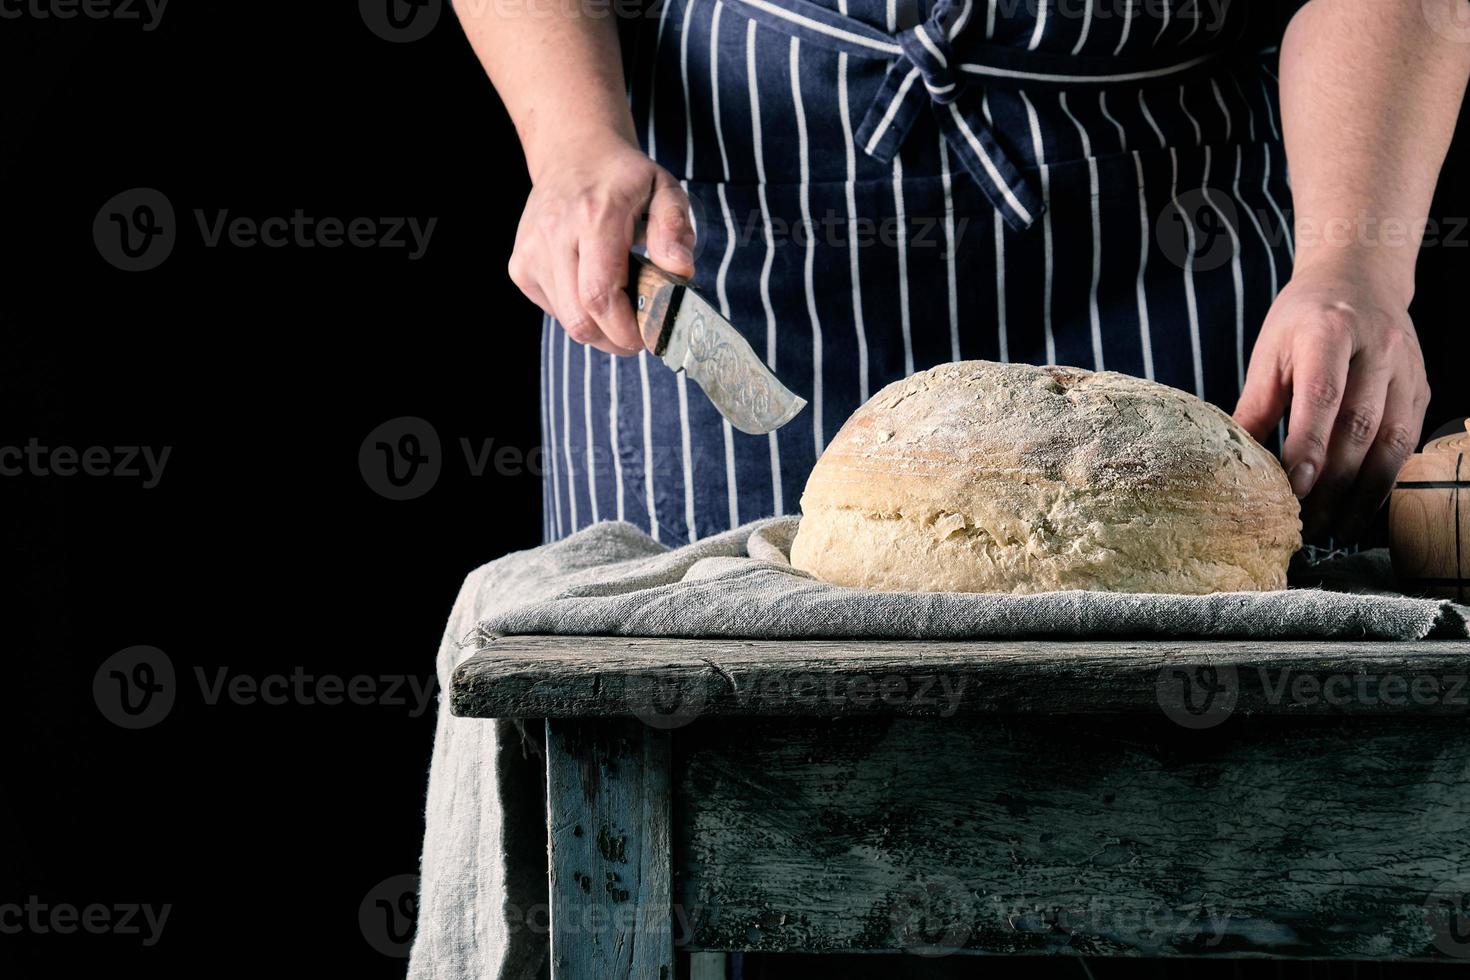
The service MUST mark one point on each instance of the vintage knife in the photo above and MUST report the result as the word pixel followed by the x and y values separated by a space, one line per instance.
pixel 680 328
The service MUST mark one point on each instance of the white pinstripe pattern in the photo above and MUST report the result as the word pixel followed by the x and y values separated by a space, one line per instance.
pixel 685 444
pixel 1010 198
pixel 685 437
pixel 990 19
pixel 1271 200
pixel 949 249
pixel 587 424
pixel 1040 27
pixel 549 359
pixel 1145 335
pixel 1118 78
pixel 1153 123
pixel 1164 25
pixel 854 271
pixel 1086 27
pixel 777 503
pixel 1199 134
pixel 1194 27
pixel 648 497
pixel 1002 332
pixel 901 241
pixel 1093 313
pixel 663 18
pixel 1191 302
pixel 682 379
pixel 1127 24
pixel 804 158
pixel 891 112
pixel 728 431
pixel 1046 231
pixel 1236 273
pixel 1266 181
pixel 1224 111
pixel 566 423
pixel 612 422
pixel 721 293
pixel 1256 222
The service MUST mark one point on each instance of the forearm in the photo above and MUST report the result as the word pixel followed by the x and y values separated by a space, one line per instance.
pixel 557 67
pixel 1370 93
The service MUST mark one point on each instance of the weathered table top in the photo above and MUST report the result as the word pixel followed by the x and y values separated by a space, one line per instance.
pixel 559 677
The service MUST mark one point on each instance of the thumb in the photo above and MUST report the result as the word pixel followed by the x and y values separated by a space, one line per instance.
pixel 670 233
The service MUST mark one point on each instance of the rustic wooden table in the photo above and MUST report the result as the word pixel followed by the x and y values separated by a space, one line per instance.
pixel 1112 798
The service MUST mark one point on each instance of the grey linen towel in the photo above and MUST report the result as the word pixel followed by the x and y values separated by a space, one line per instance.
pixel 618 581
pixel 482 894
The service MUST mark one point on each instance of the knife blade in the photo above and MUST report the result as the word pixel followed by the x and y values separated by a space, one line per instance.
pixel 680 328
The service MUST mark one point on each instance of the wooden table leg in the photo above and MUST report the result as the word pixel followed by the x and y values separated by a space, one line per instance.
pixel 607 800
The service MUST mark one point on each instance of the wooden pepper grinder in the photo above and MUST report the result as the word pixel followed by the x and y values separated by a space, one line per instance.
pixel 1429 519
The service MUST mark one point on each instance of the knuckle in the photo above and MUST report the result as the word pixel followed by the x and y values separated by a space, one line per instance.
pixel 598 297
pixel 1358 424
pixel 1397 441
pixel 1319 392
pixel 1314 444
pixel 579 328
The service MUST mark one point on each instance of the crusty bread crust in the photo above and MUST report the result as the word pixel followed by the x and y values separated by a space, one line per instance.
pixel 984 477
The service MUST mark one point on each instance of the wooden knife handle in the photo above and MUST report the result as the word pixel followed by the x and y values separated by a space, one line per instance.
pixel 655 294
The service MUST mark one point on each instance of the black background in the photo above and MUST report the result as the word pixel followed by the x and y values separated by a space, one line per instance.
pixel 263 549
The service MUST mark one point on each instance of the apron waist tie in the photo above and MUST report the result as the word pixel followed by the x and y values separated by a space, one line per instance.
pixel 931 63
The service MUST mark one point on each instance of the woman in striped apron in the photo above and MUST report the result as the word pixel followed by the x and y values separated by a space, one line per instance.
pixel 867 188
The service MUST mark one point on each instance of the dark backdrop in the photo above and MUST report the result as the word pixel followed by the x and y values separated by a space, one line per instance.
pixel 262 552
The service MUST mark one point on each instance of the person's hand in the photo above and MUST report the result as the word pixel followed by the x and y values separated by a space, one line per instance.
pixel 1339 352
pixel 571 251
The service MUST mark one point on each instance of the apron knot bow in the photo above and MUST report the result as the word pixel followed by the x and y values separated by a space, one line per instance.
pixel 927 48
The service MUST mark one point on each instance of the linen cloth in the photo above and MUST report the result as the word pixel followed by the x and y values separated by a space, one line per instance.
pixel 482 909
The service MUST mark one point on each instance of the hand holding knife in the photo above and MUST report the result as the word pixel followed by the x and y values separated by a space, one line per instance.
pixel 680 328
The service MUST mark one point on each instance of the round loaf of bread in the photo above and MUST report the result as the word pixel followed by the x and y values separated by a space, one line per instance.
pixel 983 477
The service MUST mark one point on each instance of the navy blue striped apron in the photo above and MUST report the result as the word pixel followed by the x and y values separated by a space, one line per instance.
pixel 882 186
